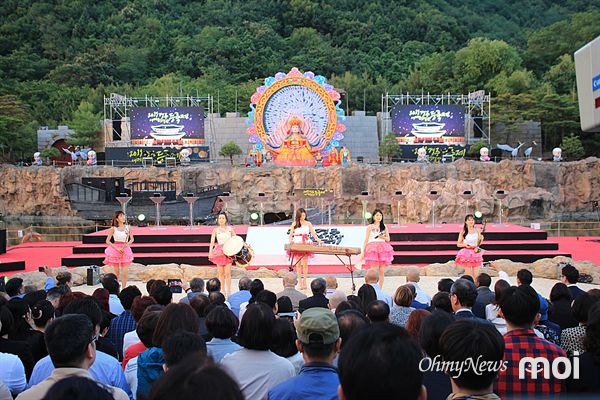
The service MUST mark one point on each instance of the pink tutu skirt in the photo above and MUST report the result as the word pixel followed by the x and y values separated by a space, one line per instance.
pixel 115 257
pixel 469 258
pixel 378 253
pixel 218 257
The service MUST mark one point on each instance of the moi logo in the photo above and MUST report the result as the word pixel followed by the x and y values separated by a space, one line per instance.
pixel 561 367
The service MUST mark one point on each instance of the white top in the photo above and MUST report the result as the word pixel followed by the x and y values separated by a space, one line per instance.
pixel 381 295
pixel 491 314
pixel 471 239
pixel 297 361
pixel 12 373
pixel 223 235
pixel 372 236
pixel 121 236
pixel 299 233
pixel 129 339
pixel 257 371
pixel 114 305
pixel 421 296
pixel 131 375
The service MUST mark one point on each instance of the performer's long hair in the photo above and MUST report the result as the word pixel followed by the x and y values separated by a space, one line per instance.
pixel 381 224
pixel 298 216
pixel 115 217
pixel 465 227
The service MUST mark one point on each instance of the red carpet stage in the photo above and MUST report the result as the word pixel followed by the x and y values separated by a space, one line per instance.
pixel 413 245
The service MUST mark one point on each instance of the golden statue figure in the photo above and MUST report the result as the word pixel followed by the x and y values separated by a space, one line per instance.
pixel 295 149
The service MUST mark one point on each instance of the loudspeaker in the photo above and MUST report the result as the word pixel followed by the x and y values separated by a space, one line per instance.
pixel 93 275
pixel 116 129
pixel 2 241
pixel 478 127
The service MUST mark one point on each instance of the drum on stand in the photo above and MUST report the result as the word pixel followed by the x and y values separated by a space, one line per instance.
pixel 240 252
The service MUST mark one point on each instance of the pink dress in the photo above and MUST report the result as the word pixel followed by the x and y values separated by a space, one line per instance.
pixel 378 251
pixel 300 236
pixel 114 256
pixel 469 257
pixel 218 257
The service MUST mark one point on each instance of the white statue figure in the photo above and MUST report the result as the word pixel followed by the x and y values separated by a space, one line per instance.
pixel 422 155
pixel 184 156
pixel 37 159
pixel 557 154
pixel 91 158
pixel 484 154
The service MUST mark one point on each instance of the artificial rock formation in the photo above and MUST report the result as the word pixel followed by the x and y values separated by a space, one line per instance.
pixel 537 189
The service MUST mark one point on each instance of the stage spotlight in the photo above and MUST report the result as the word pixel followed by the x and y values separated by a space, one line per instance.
pixel 254 218
pixel 478 217
pixel 368 215
pixel 141 217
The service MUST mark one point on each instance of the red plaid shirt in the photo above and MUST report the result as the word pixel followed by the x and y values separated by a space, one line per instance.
pixel 521 343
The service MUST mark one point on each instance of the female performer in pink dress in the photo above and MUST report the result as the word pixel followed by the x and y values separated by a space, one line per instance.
pixel 221 233
pixel 470 257
pixel 377 252
pixel 119 254
pixel 299 233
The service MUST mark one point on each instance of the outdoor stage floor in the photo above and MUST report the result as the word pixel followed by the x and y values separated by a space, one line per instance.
pixel 430 241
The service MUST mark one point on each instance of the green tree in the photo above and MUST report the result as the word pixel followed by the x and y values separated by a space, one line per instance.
pixel 17 130
pixel 230 149
pixel 389 147
pixel 86 125
pixel 562 75
pixel 572 147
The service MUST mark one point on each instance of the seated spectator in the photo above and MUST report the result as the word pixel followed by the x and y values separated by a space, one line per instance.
pixel 113 287
pixel 16 347
pixel 336 299
pixel 468 277
pixel 549 330
pixel 437 382
pixel 71 344
pixel 154 284
pixel 54 295
pixel 64 278
pixel 318 299
pixel 269 298
pixel 285 309
pixel 22 329
pixel 283 343
pixel 125 322
pixel 391 349
pixel 175 317
pixel 255 368
pixel 415 304
pixel 371 278
pixel 236 299
pixel 466 340
pixel 413 325
pixel 525 277
pixel 441 301
pixel 256 286
pixel 12 373
pixel 318 341
pixel 213 285
pixel 401 310
pixel 484 295
pixel 217 298
pixel 89 306
pixel 350 322
pixel 520 305
pixel 589 361
pixel 222 325
pixel 356 303
pixel 196 288
pixel 290 280
pixel 413 276
pixel 571 339
pixel 180 345
pixel 492 310
pixel 569 275
pixel 462 297
pixel 105 369
pixel 200 305
pixel 103 297
pixel 331 285
pixel 366 294
pixel 32 298
pixel 145 329
pixel 560 312
pixel 194 378
pixel 14 288
pixel 378 311
pixel 138 307
pixel 162 295
pixel 78 388
pixel 42 314
pixel 444 285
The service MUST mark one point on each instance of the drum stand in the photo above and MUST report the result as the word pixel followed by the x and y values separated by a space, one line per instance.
pixel 433 196
pixel 348 266
pixel 157 200
pixel 191 200
pixel 500 195
pixel 399 196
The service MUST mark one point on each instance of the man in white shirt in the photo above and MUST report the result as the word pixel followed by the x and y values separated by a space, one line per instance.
pixel 331 286
pixel 371 278
pixel 114 303
pixel 413 277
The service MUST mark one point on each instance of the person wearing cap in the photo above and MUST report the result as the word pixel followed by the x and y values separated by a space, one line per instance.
pixel 319 342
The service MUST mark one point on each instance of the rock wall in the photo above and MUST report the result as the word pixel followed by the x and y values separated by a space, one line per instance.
pixel 537 189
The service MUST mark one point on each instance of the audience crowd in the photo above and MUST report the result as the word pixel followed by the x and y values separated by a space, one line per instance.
pixel 466 342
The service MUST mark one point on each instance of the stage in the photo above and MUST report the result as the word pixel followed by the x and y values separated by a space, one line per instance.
pixel 416 244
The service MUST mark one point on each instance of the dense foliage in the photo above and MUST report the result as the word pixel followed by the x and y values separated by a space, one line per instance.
pixel 54 55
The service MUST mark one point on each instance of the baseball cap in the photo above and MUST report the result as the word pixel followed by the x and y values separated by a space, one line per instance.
pixel 317 325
